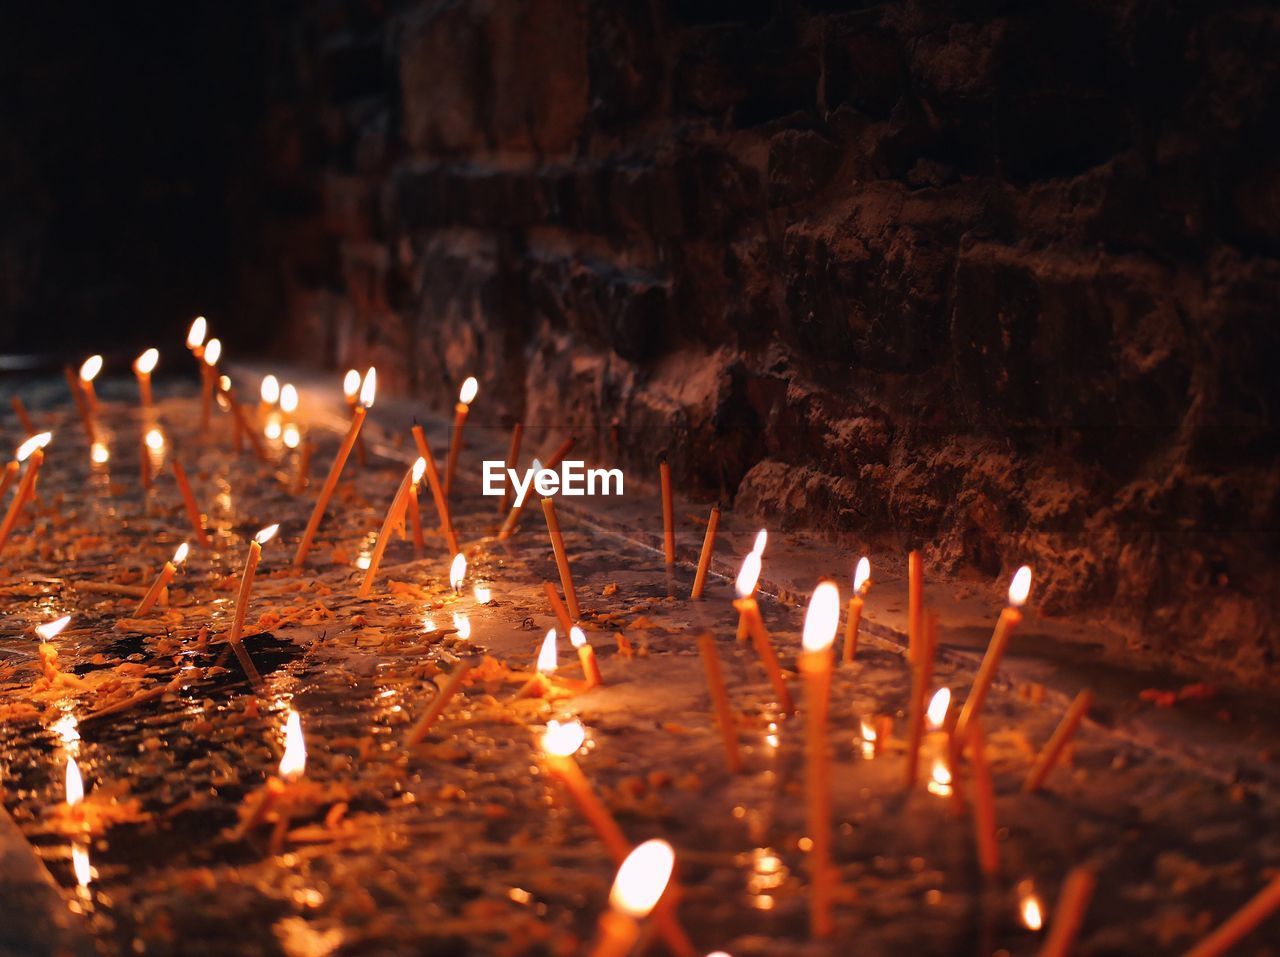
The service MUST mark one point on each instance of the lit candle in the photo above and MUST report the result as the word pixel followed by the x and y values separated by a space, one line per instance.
pixel 513 517
pixel 557 606
pixel 668 514
pixel 82 405
pixel 152 447
pixel 445 694
pixel 704 558
pixel 586 655
pixel 351 388
pixel 513 455
pixel 143 366
pixel 162 580
pixel 562 557
pixel 749 613
pixel 1029 906
pixel 560 742
pixel 861 582
pixel 210 354
pixel 89 370
pixel 398 504
pixel 415 513
pixel 642 880
pixel 939 705
pixel 293 763
pixel 288 400
pixel 437 490
pixel 1057 743
pixel 720 700
pixel 246 589
pixel 195 336
pixel 921 679
pixel 268 395
pixel 762 539
pixel 32 449
pixel 20 410
pixel 820 624
pixel 189 503
pixel 367 392
pixel 52 629
pixel 466 395
pixel 1006 625
pixel 544 668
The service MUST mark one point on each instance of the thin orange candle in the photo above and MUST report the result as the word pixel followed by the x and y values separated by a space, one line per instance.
pixel 293 763
pixel 915 605
pixel 268 396
pixel 1006 625
pixel 1068 915
pixel 820 624
pixel 641 882
pixel 89 370
pixel 415 513
pixel 209 355
pixel 143 366
pixel 446 693
pixel 189 502
pixel 466 395
pixel 20 410
pixel 367 393
pixel 586 656
pixel 861 582
pixel 246 586
pixel 704 558
pixel 513 517
pixel 560 742
pixel 545 666
pixel 557 606
pixel 82 406
pixel 1241 923
pixel 398 504
pixel 562 557
pixel 9 476
pixel 437 490
pixel 762 539
pixel 162 580
pixel 749 613
pixel 1053 749
pixel 31 452
pixel 668 514
pixel 513 455
pixel 720 700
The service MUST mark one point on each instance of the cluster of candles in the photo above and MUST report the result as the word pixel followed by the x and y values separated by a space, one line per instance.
pixel 642 889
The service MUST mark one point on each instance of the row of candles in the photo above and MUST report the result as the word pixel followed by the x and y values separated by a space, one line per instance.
pixel 644 872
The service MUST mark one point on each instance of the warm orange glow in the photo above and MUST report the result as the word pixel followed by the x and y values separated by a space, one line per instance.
pixel 940 778
pixel 643 878
pixel 762 539
pixel 33 443
pixel 1032 915
pixel 547 654
pixel 195 335
pixel 576 637
pixel 292 437
pixel 146 363
pixel 467 394
pixel 74 783
pixel 482 594
pixel 270 390
pixel 457 571
pixel 99 454
pixel 938 705
pixel 265 535
pixel 419 469
pixel 224 385
pixel 748 576
pixel 90 368
pixel 272 429
pixel 822 619
pixel 563 738
pixel 1020 587
pixel 51 629
pixel 369 388
pixel 861 575
pixel 288 398
pixel 155 440
pixel 80 864
pixel 294 761
pixel 213 352
pixel 181 554
pixel 351 383
pixel 463 624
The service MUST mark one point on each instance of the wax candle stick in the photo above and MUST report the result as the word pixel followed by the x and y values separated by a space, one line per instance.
pixel 304 465
pixel 513 517
pixel 82 406
pixel 513 455
pixel 704 559
pixel 642 880
pixel 921 678
pixel 1066 729
pixel 367 393
pixel 984 803
pixel 398 504
pixel 162 580
pixel 586 656
pixel 1006 625
pixel 466 395
pixel 1068 915
pixel 557 606
pixel 820 624
pixel 915 605
pixel 749 612
pixel 861 582
pixel 210 355
pixel 437 490
pixel 292 765
pixel 668 514
pixel 1241 923
pixel 562 557
pixel 442 699
pixel 20 410
pixel 246 590
pixel 9 476
pixel 762 539
pixel 31 452
pixel 547 662
pixel 189 502
pixel 720 700
pixel 89 370
pixel 143 366
pixel 559 744
pixel 415 513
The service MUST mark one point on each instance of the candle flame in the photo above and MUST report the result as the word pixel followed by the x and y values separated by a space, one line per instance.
pixel 577 637
pixel 940 778
pixel 563 738
pixel 145 364
pixel 80 864
pixel 213 352
pixel 351 383
pixel 289 398
pixel 99 454
pixel 369 388
pixel 482 594
pixel 861 575
pixel 463 624
pixel 467 394
pixel 419 467
pixel 457 571
pixel 74 783
pixel 547 654
pixel 867 729
pixel 266 534
pixel 90 368
pixel 938 705
pixel 1020 587
pixel 270 390
pixel 272 429
pixel 294 760
pixel 51 629
pixel 1032 915
pixel 643 878
pixel 748 576
pixel 33 443
pixel 181 554
pixel 224 385
pixel 292 437
pixel 155 440
pixel 762 539
pixel 822 619
pixel 196 334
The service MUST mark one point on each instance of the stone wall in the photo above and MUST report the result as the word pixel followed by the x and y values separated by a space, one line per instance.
pixel 995 278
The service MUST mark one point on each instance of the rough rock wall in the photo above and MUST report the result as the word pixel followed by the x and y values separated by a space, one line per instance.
pixel 995 278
